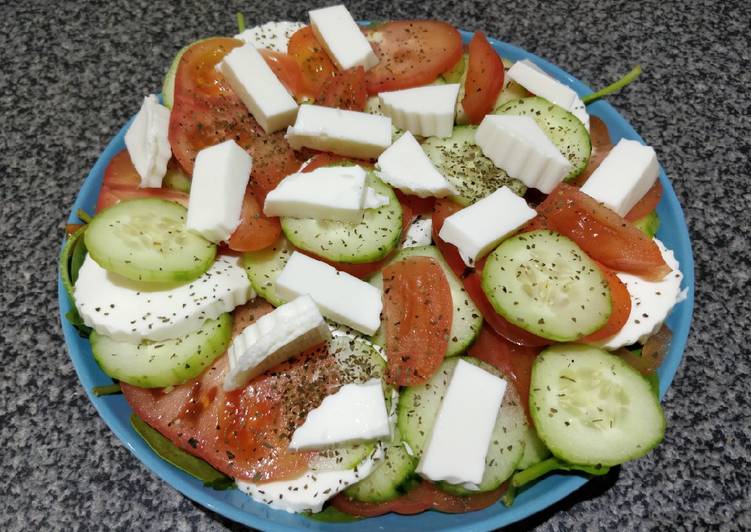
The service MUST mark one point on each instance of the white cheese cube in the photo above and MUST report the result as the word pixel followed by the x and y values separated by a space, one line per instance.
pixel 220 176
pixel 327 193
pixel 518 145
pixel 404 165
pixel 347 133
pixel 275 337
pixel 624 176
pixel 342 38
pixel 461 434
pixel 258 87
pixel 355 413
pixel 271 35
pixel 477 229
pixel 340 296
pixel 420 233
pixel 148 143
pixel 427 111
pixel 374 200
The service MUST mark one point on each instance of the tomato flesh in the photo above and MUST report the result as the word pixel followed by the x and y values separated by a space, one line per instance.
pixel 255 231
pixel 601 146
pixel 484 81
pixel 411 53
pixel 345 90
pixel 314 62
pixel 620 301
pixel 646 204
pixel 424 496
pixel 289 73
pixel 417 314
pixel 601 233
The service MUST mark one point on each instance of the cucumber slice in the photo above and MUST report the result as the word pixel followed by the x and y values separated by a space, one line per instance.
pixel 370 240
pixel 466 321
pixel 168 85
pixel 456 74
pixel 649 224
pixel 263 267
pixel 534 449
pixel 565 130
pixel 462 162
pixel 592 408
pixel 167 363
pixel 544 283
pixel 387 480
pixel 176 180
pixel 418 408
pixel 146 240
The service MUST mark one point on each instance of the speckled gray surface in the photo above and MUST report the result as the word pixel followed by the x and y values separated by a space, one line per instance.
pixel 72 72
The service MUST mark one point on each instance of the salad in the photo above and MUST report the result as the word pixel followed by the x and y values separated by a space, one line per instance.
pixel 359 270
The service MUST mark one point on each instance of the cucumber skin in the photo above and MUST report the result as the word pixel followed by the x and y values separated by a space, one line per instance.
pixel 649 224
pixel 168 85
pixel 216 337
pixel 264 266
pixel 537 388
pixel 535 450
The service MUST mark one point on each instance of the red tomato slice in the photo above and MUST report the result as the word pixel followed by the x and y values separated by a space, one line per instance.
pixel 513 360
pixel 255 230
pixel 601 146
pixel 289 73
pixel 471 277
pixel 314 62
pixel 345 90
pixel 647 204
pixel 621 307
pixel 417 313
pixel 424 496
pixel 484 78
pixel 411 53
pixel 601 233
pixel 120 172
pixel 244 433
pixel 417 205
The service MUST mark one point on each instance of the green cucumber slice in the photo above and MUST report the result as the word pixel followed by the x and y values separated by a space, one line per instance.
pixel 264 266
pixel 544 283
pixel 418 408
pixel 370 240
pixel 171 362
pixel 177 180
pixel 466 321
pixel 462 162
pixel 649 224
pixel 534 450
pixel 565 130
pixel 592 408
pixel 146 240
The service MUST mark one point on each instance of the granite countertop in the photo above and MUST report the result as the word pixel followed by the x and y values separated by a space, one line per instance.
pixel 73 72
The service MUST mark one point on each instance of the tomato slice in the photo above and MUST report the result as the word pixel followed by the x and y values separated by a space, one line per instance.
pixel 601 146
pixel 255 230
pixel 484 78
pixel 646 204
pixel 120 172
pixel 417 313
pixel 345 90
pixel 417 205
pixel 652 353
pixel 601 233
pixel 245 433
pixel 620 301
pixel 513 360
pixel 314 62
pixel 289 73
pixel 411 53
pixel 424 496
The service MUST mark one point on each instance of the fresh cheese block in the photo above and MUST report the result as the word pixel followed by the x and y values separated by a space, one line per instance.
pixel 148 143
pixel 538 82
pixel 340 296
pixel 220 177
pixel 285 332
pixel 355 413
pixel 419 233
pixel 517 145
pixel 404 165
pixel 347 133
pixel 271 35
pixel 624 176
pixel 460 437
pixel 326 193
pixel 311 490
pixel 651 303
pixel 258 87
pixel 129 311
pixel 342 38
pixel 477 229
pixel 427 111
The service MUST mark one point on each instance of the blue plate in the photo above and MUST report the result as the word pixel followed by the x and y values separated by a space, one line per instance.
pixel 239 507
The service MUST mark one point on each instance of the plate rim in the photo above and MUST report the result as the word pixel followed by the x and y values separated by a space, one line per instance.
pixel 558 486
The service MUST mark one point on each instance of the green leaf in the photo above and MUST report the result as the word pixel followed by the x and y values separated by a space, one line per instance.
pixel 613 87
pixel 84 216
pixel 240 22
pixel 509 497
pixel 171 453
pixel 66 258
pixel 332 515
pixel 109 389
pixel 548 466
pixel 84 331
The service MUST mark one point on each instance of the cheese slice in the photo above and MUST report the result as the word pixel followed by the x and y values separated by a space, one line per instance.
pixel 148 143
pixel 342 38
pixel 427 111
